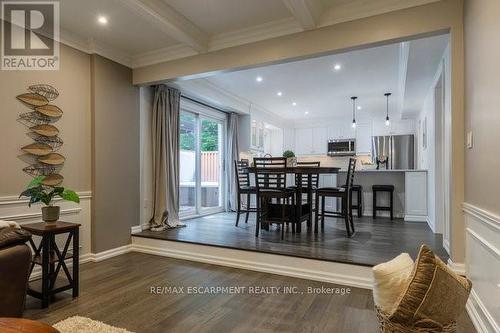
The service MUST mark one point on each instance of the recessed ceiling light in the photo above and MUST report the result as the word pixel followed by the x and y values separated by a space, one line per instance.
pixel 337 67
pixel 279 93
pixel 294 104
pixel 258 79
pixel 102 20
pixel 359 107
pixel 306 113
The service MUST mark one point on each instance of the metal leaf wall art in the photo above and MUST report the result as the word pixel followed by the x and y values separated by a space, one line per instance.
pixel 39 120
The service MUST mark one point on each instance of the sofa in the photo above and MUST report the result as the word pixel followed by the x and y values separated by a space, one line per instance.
pixel 15 260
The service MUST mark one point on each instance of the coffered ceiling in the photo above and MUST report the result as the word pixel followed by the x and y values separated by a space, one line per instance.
pixel 143 32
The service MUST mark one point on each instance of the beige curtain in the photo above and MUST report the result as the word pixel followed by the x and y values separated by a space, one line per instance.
pixel 165 140
pixel 232 154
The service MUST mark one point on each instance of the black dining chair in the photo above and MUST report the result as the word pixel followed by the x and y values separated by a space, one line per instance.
pixel 344 193
pixel 303 181
pixel 270 180
pixel 307 185
pixel 244 188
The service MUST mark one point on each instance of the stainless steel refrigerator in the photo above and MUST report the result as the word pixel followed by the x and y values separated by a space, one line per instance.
pixel 397 150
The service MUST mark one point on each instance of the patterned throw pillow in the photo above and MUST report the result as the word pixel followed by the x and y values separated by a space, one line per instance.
pixel 435 295
pixel 390 281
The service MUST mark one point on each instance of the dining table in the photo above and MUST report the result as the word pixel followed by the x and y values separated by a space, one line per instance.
pixel 300 172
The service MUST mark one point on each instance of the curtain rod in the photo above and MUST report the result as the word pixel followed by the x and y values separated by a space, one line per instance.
pixel 202 103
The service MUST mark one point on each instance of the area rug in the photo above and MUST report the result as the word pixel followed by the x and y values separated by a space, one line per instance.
pixel 78 324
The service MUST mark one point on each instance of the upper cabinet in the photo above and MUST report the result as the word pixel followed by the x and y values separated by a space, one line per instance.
pixel 363 139
pixel 311 141
pixel 303 141
pixel 396 127
pixel 341 130
pixel 320 139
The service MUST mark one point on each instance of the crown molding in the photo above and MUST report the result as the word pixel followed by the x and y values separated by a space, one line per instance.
pixel 163 54
pixel 358 9
pixel 109 52
pixel 93 46
pixel 254 34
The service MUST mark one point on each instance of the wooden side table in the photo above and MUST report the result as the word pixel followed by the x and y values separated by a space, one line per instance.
pixel 52 259
pixel 19 325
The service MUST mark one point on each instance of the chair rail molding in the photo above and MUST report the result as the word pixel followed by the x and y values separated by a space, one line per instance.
pixel 16 209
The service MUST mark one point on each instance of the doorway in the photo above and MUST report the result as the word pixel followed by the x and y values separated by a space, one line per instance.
pixel 202 134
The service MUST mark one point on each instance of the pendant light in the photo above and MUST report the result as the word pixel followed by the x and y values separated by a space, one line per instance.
pixel 354 111
pixel 387 122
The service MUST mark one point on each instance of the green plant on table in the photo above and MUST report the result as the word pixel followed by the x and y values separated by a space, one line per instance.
pixel 37 192
pixel 288 154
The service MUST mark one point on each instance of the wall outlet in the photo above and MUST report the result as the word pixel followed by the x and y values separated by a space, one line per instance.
pixel 470 140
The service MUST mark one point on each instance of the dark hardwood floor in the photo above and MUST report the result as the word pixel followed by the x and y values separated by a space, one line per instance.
pixel 117 292
pixel 375 241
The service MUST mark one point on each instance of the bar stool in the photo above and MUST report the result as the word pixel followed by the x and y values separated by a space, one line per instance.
pixel 383 188
pixel 359 196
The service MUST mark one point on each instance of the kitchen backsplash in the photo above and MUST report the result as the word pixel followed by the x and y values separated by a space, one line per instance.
pixel 364 161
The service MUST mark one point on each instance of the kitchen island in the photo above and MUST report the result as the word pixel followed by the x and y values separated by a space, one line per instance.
pixel 410 191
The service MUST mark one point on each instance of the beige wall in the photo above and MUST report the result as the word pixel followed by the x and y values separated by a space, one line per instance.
pixel 73 83
pixel 115 154
pixel 482 52
pixel 445 15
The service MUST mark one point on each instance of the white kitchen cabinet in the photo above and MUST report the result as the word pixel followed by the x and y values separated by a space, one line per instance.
pixel 416 196
pixel 257 135
pixel 363 139
pixel 396 127
pixel 289 139
pixel 341 130
pixel 303 141
pixel 319 140
pixel 380 128
pixel 401 127
pixel 348 131
pixel 334 132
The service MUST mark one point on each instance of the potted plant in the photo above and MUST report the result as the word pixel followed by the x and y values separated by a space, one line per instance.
pixel 37 192
pixel 291 160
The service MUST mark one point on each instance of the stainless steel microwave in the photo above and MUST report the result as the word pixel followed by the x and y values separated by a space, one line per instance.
pixel 342 147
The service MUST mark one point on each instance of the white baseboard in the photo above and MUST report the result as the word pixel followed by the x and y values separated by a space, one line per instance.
pixel 369 213
pixel 135 229
pixel 97 257
pixel 457 267
pixel 415 218
pixel 481 318
pixel 325 271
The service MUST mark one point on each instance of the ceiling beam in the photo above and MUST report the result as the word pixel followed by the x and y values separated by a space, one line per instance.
pixel 307 12
pixel 171 22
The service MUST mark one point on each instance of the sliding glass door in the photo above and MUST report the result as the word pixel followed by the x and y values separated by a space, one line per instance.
pixel 202 133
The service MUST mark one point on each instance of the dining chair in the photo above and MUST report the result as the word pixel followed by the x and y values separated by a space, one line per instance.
pixel 344 194
pixel 303 182
pixel 270 180
pixel 243 188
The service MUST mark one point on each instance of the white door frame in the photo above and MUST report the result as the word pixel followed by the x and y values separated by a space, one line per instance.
pixel 204 112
